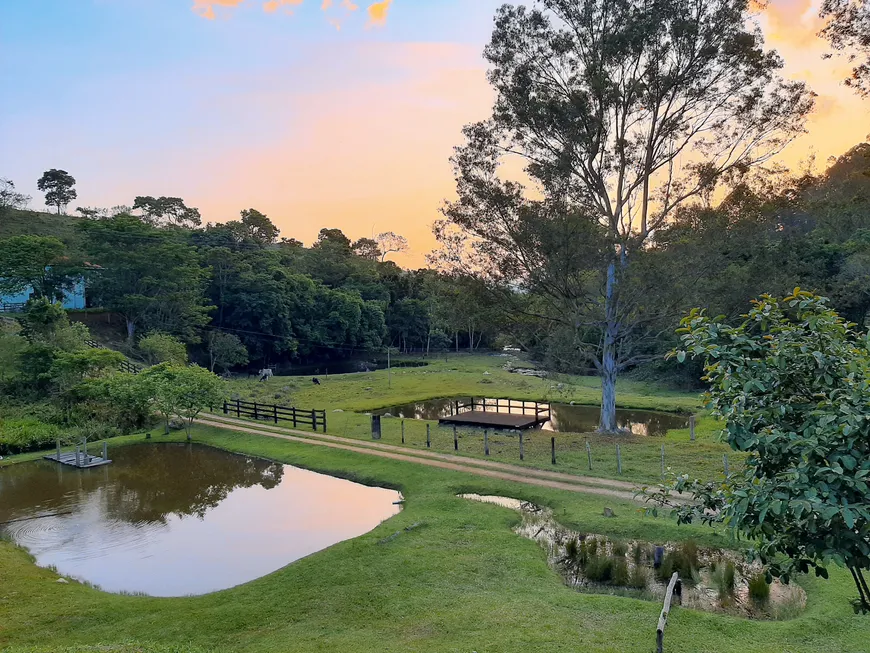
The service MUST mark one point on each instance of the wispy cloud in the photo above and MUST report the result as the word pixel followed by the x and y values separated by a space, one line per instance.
pixel 377 11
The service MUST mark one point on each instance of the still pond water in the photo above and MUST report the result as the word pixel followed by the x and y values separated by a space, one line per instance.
pixel 564 417
pixel 173 520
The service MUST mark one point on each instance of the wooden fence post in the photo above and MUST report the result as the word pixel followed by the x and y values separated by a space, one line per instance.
pixel 553 449
pixel 275 412
pixel 105 450
pixel 692 428
pixel 522 452
pixel 256 413
pixel 313 420
pixel 238 409
pixel 403 431
pixel 663 617
pixel 589 454
pixel 294 417
pixel 226 409
pixel 455 439
pixel 428 439
pixel 618 460
pixel 485 442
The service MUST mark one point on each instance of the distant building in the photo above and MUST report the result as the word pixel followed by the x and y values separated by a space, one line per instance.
pixel 73 299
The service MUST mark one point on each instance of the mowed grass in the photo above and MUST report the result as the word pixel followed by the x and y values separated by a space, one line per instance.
pixel 460 581
pixel 481 375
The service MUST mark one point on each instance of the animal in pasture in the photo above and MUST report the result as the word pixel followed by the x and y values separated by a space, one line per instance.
pixel 266 374
pixel 315 381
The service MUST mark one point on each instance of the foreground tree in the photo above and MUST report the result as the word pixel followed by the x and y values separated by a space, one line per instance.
pixel 163 348
pixel 58 186
pixel 38 263
pixel 791 381
pixel 225 350
pixel 621 112
pixel 848 32
pixel 181 391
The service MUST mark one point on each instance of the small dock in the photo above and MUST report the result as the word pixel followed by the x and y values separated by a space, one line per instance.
pixel 80 457
pixel 498 414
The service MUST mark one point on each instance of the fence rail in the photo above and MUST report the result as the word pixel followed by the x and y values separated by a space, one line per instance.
pixel 125 365
pixel 316 419
pixel 496 405
pixel 11 307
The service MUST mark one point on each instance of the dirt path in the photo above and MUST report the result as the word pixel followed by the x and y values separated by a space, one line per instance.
pixel 434 455
pixel 555 480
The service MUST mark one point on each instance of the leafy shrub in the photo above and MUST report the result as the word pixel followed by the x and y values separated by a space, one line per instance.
pixel 592 546
pixel 759 590
pixel 599 569
pixel 23 434
pixel 619 549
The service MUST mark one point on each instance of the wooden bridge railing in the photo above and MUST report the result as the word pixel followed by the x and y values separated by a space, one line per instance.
pixel 316 419
pixel 540 410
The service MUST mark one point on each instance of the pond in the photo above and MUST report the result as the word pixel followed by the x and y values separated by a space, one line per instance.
pixel 565 418
pixel 713 580
pixel 174 520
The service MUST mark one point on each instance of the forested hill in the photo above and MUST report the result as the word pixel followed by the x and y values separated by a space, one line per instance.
pixel 162 271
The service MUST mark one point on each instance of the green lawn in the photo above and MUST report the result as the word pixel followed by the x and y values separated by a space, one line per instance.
pixel 464 375
pixel 461 582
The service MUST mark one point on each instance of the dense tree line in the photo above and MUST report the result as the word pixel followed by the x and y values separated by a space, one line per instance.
pixel 272 299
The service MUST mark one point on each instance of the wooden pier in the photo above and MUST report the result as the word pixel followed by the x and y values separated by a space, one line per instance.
pixel 498 414
pixel 80 457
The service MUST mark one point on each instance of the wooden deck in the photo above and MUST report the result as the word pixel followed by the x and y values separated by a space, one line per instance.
pixel 84 461
pixel 494 420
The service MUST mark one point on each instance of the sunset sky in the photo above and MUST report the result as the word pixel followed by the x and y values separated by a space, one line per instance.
pixel 320 113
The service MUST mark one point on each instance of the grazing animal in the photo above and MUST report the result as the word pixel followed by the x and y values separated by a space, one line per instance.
pixel 266 374
pixel 315 381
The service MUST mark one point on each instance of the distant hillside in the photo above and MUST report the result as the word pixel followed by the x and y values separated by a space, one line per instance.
pixel 14 222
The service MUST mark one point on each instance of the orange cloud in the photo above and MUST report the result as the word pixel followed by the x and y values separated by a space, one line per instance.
pixel 378 12
pixel 272 5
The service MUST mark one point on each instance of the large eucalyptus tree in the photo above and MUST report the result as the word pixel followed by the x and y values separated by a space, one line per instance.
pixel 620 111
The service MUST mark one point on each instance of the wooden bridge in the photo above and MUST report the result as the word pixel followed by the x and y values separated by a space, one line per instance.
pixel 498 413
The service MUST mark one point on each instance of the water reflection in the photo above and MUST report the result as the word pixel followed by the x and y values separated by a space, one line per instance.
pixel 170 520
pixel 564 417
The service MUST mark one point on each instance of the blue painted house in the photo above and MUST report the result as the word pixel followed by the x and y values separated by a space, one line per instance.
pixel 73 298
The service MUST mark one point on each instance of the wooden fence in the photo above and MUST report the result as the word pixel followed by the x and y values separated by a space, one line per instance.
pixel 316 419
pixel 11 307
pixel 125 365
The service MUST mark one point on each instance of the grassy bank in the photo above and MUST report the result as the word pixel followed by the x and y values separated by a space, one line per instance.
pixel 460 582
pixel 482 375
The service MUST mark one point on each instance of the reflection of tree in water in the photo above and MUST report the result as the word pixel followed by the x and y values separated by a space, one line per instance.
pixel 186 480
pixel 143 484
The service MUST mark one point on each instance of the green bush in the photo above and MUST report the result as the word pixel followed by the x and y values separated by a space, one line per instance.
pixel 724 577
pixel 759 590
pixel 638 578
pixel 23 434
pixel 620 549
pixel 571 550
pixel 620 575
pixel 599 569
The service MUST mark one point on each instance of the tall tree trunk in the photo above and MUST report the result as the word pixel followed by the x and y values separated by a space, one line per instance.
pixel 456 333
pixel 131 329
pixel 609 369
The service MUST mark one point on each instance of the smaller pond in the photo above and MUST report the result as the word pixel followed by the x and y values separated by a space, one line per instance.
pixel 713 580
pixel 565 418
pixel 173 520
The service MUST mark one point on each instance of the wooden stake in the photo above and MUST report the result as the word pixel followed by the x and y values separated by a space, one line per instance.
pixel 486 442
pixel 553 449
